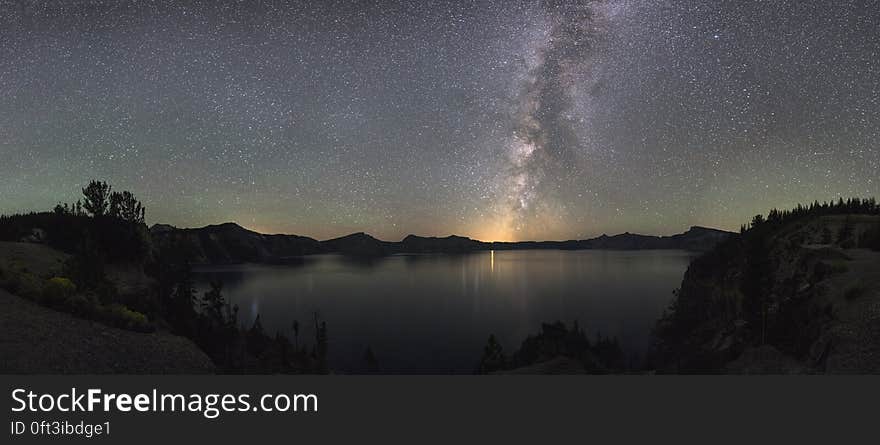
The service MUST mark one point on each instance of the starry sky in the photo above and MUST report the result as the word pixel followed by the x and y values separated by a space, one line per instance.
pixel 499 120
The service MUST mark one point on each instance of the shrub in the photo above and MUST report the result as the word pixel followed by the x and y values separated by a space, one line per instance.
pixel 24 284
pixel 125 318
pixel 57 290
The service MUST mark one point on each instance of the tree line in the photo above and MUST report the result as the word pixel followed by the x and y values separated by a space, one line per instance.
pixel 99 200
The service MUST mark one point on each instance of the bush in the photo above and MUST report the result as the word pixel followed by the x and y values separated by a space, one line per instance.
pixel 61 292
pixel 24 284
pixel 57 290
pixel 125 318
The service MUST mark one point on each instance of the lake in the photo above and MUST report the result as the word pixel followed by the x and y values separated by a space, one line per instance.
pixel 434 313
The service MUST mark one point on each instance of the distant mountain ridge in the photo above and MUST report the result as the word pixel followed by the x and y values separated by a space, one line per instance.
pixel 696 238
pixel 230 243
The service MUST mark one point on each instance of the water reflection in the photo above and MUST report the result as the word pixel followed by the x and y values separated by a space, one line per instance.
pixel 433 313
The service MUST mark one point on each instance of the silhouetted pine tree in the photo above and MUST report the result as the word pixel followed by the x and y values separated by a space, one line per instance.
pixel 97 198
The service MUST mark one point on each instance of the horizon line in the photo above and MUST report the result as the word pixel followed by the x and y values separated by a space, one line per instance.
pixel 361 232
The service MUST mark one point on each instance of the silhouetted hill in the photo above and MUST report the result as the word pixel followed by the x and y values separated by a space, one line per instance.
pixel 162 228
pixel 231 243
pixel 358 244
pixel 696 239
pixel 452 243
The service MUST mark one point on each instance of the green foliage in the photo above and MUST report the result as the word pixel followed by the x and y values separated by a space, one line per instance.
pixel 61 293
pixel 125 318
pixel 20 281
pixel 57 290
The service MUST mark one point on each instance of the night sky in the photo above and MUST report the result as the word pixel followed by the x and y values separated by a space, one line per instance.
pixel 491 119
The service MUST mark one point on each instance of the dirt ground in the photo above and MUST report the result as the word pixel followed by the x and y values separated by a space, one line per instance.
pixel 39 340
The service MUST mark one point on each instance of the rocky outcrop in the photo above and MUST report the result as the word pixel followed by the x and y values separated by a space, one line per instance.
pixel 793 297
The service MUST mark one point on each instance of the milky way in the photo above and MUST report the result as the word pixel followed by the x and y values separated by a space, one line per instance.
pixel 544 141
pixel 520 119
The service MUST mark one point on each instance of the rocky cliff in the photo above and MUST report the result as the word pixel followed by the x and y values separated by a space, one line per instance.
pixel 796 297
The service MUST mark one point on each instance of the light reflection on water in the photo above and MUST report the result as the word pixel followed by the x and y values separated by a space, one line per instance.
pixel 433 313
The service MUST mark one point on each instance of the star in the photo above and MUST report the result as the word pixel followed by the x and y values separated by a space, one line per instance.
pixel 497 119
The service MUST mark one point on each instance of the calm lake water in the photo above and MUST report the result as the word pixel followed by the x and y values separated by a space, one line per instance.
pixel 433 313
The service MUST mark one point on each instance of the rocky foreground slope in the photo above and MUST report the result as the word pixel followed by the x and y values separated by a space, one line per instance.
pixel 801 297
pixel 35 339
pixel 38 340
